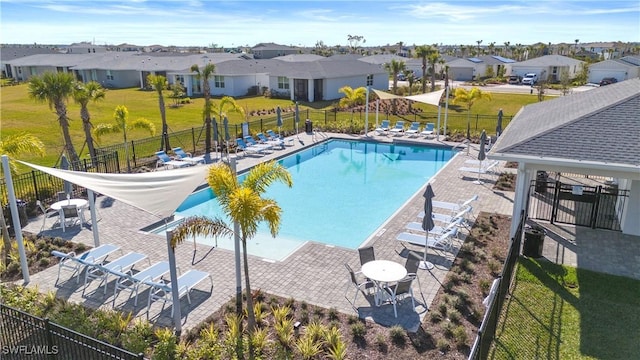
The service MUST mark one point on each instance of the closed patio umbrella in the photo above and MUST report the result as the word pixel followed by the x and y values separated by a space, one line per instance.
pixel 499 125
pixel 225 125
pixel 64 165
pixel 481 154
pixel 427 224
pixel 279 119
pixel 297 117
pixel 215 134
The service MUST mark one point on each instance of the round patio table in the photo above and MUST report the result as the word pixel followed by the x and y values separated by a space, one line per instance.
pixel 383 272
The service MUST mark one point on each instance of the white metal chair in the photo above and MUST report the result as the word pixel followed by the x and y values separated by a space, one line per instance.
pixel 47 214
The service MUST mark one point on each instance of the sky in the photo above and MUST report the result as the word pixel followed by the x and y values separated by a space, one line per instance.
pixel 232 23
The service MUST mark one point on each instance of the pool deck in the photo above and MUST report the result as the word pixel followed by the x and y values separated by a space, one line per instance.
pixel 315 273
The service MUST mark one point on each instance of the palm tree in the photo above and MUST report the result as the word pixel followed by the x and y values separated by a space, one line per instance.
pixel 226 105
pixel 479 42
pixel 82 94
pixel 245 205
pixel 432 59
pixel 423 52
pixel 159 83
pixel 55 89
pixel 468 98
pixel 394 68
pixel 352 97
pixel 14 145
pixel 122 124
pixel 205 75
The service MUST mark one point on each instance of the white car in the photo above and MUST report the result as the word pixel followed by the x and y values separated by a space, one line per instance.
pixel 529 79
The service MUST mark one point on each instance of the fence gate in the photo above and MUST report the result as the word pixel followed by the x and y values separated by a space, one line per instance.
pixel 578 204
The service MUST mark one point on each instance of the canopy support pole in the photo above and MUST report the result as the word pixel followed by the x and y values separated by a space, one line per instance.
pixel 94 220
pixel 173 273
pixel 15 216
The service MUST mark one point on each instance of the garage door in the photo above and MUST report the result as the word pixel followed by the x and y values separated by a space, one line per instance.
pixel 596 75
pixel 461 74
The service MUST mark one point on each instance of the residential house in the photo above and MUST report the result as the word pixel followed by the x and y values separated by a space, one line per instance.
pixel 476 68
pixel 10 53
pixel 621 69
pixel 271 50
pixel 547 67
pixel 593 133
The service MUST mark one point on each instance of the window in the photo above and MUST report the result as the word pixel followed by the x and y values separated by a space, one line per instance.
pixel 179 79
pixel 219 81
pixel 370 80
pixel 283 82
pixel 109 75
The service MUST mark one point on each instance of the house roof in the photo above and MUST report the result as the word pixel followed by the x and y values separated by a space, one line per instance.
pixel 271 46
pixel 599 126
pixel 8 53
pixel 299 57
pixel 549 60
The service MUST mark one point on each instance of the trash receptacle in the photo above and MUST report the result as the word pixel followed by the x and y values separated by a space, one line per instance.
pixel 22 215
pixel 541 182
pixel 308 126
pixel 533 242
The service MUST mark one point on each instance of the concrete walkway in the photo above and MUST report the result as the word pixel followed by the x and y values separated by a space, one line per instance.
pixel 315 273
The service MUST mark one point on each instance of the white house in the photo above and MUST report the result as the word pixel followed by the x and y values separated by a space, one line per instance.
pixel 475 68
pixel 547 67
pixel 624 68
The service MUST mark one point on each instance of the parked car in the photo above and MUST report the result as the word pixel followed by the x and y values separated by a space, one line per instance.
pixel 514 79
pixel 529 79
pixel 607 81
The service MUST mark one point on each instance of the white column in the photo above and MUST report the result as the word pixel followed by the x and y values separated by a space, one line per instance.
pixel 94 220
pixel 15 216
pixel 366 114
pixel 523 180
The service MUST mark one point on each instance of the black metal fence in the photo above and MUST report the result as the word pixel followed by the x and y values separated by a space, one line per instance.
pixel 24 336
pixel 36 185
pixel 487 330
pixel 578 204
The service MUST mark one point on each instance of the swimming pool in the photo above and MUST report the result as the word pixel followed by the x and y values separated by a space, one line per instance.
pixel 342 192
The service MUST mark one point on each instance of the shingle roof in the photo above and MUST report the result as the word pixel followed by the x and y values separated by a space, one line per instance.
pixel 600 125
pixel 550 60
pixel 14 52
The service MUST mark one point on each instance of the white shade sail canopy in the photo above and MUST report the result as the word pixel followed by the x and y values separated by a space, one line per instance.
pixel 383 95
pixel 158 193
pixel 432 98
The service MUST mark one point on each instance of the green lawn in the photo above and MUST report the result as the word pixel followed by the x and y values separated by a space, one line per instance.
pixel 559 312
pixel 20 114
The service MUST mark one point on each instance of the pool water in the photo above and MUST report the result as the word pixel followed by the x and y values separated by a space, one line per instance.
pixel 342 192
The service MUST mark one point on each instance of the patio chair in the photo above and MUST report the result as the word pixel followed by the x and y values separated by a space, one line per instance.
pixel 366 254
pixel 165 161
pixel 441 242
pixel 361 285
pixel 412 264
pixel 47 213
pixel 413 129
pixel 131 282
pixel 61 195
pixel 185 156
pixel 383 128
pixel 265 140
pixel 454 207
pixel 119 265
pixel 437 230
pixel 70 212
pixel 252 142
pixel 464 214
pixel 479 170
pixel 72 262
pixel 428 130
pixel 398 130
pixel 247 149
pixel 186 282
pixel 401 289
pixel 273 136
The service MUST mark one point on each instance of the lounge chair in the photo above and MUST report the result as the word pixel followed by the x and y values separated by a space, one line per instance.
pixel 252 142
pixel 119 265
pixel 75 263
pixel 437 230
pixel 478 170
pixel 454 207
pixel 442 242
pixel 398 129
pixel 131 282
pixel 413 129
pixel 165 161
pixel 186 282
pixel 246 149
pixel 185 156
pixel 265 140
pixel 383 128
pixel 273 136
pixel 428 130
pixel 463 213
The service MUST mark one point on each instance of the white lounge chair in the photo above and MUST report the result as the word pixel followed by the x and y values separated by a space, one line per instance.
pixel 428 130
pixel 247 149
pixel 437 230
pixel 478 170
pixel 265 140
pixel 186 282
pixel 252 142
pixel 273 136
pixel 454 207
pixel 75 263
pixel 383 128
pixel 413 129
pixel 165 161
pixel 398 129
pixel 185 156
pixel 120 265
pixel 463 213
pixel 442 242
pixel 131 282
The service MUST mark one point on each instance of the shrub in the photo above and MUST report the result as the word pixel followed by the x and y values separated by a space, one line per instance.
pixel 460 336
pixel 454 316
pixel 494 266
pixel 358 330
pixel 485 286
pixel 352 319
pixel 442 345
pixel 397 334
pixel 381 342
pixel 167 345
pixel 138 337
pixel 442 308
pixel 333 314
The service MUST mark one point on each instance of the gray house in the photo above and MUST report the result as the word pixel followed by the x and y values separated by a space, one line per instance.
pixel 271 50
pixel 593 133
pixel 621 69
pixel 547 67
pixel 475 68
pixel 9 54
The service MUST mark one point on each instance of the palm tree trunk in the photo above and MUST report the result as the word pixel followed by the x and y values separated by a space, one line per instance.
pixel 87 126
pixel 251 318
pixel 164 144
pixel 61 110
